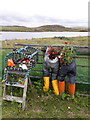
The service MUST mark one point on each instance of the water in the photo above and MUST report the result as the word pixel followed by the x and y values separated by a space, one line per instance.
pixel 30 35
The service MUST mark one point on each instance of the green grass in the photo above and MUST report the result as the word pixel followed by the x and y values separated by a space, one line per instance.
pixel 40 105
pixel 47 105
pixel 82 41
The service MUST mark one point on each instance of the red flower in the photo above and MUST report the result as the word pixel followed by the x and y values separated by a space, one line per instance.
pixel 61 60
pixel 66 42
pixel 60 55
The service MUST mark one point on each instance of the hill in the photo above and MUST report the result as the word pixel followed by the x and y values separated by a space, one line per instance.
pixel 46 28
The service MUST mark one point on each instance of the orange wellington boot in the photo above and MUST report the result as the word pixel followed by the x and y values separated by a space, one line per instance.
pixel 71 89
pixel 11 63
pixel 61 86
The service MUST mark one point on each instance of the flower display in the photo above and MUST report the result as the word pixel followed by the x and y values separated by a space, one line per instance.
pixel 53 52
pixel 68 54
pixel 65 53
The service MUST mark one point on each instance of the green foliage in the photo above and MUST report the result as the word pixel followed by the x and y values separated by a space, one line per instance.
pixel 20 105
pixel 68 54
pixel 63 96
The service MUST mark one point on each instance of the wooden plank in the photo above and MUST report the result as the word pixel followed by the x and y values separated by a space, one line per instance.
pixel 87 95
pixel 83 75
pixel 88 83
pixel 16 72
pixel 4 92
pixel 83 57
pixel 13 98
pixel 37 70
pixel 35 77
pixel 30 83
pixel 82 66
pixel 16 85
pixel 24 93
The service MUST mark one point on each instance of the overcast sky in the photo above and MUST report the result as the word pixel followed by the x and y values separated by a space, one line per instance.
pixel 33 13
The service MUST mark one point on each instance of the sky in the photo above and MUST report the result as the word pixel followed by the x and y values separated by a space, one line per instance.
pixel 34 13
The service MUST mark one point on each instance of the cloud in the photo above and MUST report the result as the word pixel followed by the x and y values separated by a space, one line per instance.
pixel 33 13
pixel 37 20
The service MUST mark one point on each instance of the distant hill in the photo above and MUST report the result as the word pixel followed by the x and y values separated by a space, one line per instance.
pixel 45 28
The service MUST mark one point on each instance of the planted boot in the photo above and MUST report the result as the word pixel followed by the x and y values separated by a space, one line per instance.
pixel 71 89
pixel 61 86
pixel 46 84
pixel 55 87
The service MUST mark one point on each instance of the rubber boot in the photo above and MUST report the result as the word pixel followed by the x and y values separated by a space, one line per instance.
pixel 55 87
pixel 71 89
pixel 61 86
pixel 46 84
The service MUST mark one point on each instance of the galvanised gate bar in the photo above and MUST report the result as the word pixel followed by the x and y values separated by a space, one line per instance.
pixel 83 52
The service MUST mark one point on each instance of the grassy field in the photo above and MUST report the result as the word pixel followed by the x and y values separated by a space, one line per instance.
pixel 47 105
pixel 82 41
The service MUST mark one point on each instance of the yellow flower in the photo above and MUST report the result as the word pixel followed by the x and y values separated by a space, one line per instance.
pixel 3 81
pixel 20 79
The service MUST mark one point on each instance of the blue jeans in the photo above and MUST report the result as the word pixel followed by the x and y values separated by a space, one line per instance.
pixel 68 70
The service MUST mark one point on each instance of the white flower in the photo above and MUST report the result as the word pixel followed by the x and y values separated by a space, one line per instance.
pixel 68 107
pixel 60 55
pixel 23 66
